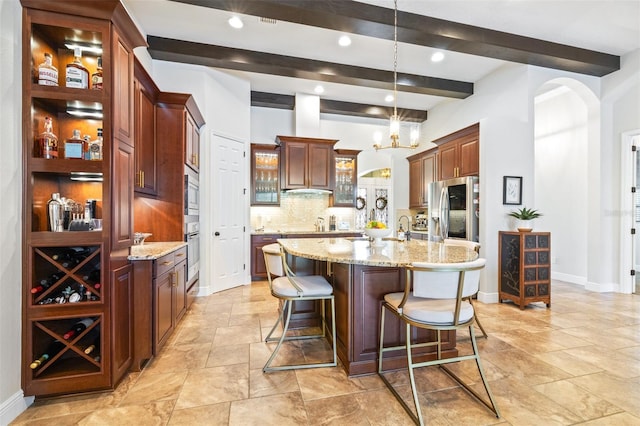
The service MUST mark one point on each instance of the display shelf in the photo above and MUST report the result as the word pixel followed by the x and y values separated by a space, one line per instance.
pixel 265 171
pixel 346 179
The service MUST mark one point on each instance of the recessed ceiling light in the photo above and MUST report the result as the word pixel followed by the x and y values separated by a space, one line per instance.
pixel 388 98
pixel 437 57
pixel 344 41
pixel 235 22
pixel 319 89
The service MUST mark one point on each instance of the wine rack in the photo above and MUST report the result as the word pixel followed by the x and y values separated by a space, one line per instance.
pixel 68 275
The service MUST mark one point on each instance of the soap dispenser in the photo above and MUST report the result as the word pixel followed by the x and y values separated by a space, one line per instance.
pixel 401 234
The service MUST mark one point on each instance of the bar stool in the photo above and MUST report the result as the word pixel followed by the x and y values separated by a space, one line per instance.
pixel 289 288
pixel 435 298
pixel 476 247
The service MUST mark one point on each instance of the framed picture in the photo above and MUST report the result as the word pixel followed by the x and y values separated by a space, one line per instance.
pixel 512 190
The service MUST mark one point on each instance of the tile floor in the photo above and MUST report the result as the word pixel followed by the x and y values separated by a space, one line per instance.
pixel 575 363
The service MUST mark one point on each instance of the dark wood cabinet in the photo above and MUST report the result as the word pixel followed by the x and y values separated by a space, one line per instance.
pixel 95 285
pixel 146 153
pixel 170 295
pixel 307 163
pixel 258 268
pixel 422 171
pixel 459 153
pixel 524 267
pixel 265 175
pixel 346 178
pixel 192 143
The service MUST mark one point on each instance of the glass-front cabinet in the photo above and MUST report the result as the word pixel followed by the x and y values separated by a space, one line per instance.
pixel 265 171
pixel 346 180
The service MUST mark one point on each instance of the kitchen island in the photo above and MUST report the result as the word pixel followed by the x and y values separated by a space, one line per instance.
pixel 361 274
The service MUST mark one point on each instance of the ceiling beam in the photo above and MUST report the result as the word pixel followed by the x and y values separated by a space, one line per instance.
pixel 246 60
pixel 375 21
pixel 328 106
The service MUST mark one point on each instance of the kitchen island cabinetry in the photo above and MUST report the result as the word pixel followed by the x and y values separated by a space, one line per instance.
pixel 159 296
pixel 524 267
pixel 74 281
pixel 422 171
pixel 307 163
pixel 459 153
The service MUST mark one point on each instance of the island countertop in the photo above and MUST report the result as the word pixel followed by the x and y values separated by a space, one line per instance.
pixel 392 253
pixel 154 250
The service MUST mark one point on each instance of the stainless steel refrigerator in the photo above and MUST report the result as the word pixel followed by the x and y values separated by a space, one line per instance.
pixel 454 208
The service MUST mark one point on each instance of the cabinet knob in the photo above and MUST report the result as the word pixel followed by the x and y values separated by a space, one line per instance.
pixel 217 234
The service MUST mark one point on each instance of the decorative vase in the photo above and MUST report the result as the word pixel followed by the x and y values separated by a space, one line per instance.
pixel 524 225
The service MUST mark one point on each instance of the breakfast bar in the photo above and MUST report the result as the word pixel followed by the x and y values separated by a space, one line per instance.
pixel 361 273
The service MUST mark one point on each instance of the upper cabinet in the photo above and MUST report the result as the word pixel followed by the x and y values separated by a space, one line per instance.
pixel 422 171
pixel 307 163
pixel 346 179
pixel 458 153
pixel 146 153
pixel 265 175
pixel 192 141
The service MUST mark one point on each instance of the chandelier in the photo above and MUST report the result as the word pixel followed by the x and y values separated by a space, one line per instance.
pixel 394 122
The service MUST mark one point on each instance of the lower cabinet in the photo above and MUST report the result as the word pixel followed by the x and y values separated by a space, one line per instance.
pixel 258 268
pixel 159 302
pixel 122 320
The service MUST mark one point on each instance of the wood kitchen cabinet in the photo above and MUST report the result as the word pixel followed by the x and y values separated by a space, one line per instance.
pixel 170 295
pixel 524 267
pixel 258 268
pixel 146 153
pixel 265 175
pixel 459 153
pixel 307 163
pixel 422 171
pixel 192 143
pixel 94 283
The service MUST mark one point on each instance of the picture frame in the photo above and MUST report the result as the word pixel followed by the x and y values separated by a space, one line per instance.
pixel 512 190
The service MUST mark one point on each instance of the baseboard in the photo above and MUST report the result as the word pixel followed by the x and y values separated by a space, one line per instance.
pixel 603 287
pixel 12 407
pixel 569 278
pixel 487 297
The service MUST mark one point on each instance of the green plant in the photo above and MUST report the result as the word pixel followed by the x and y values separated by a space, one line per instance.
pixel 525 214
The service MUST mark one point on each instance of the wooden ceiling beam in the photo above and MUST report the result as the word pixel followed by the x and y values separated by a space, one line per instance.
pixel 246 60
pixel 375 21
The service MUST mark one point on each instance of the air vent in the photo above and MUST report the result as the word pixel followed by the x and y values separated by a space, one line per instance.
pixel 268 20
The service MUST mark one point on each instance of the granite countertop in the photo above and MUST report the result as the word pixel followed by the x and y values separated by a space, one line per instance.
pixel 154 250
pixel 390 253
pixel 306 232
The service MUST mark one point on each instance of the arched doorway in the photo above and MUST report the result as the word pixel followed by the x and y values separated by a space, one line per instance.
pixel 567 163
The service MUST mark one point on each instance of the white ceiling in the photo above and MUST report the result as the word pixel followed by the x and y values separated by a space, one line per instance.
pixel 608 26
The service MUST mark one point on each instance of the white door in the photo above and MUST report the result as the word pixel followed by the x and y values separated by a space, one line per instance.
pixel 228 213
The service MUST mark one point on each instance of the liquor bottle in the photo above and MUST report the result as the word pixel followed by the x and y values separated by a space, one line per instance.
pixel 95 147
pixel 78 328
pixel 77 74
pixel 55 213
pixel 73 147
pixel 96 77
pixel 86 143
pixel 51 351
pixel 47 73
pixel 47 142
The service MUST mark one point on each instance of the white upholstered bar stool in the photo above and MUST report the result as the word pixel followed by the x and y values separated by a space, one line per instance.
pixel 435 298
pixel 288 287
pixel 476 247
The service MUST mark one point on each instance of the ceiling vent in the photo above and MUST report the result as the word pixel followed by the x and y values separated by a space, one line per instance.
pixel 267 20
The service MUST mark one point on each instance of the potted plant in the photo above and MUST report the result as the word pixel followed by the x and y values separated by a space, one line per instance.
pixel 524 218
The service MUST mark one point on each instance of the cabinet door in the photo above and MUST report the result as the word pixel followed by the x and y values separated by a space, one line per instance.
pixel 258 268
pixel 163 306
pixel 121 320
pixel 415 183
pixel 469 158
pixel 295 166
pixel 122 198
pixel 447 161
pixel 265 181
pixel 320 167
pixel 180 290
pixel 145 141
pixel 122 90
pixel 429 174
pixel 192 142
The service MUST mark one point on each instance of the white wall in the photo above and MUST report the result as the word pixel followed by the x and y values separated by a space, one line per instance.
pixel 12 402
pixel 561 149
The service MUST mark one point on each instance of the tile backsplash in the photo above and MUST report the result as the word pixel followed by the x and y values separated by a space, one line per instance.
pixel 299 212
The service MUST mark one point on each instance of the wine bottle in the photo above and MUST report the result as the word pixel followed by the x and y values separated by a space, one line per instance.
pixel 96 77
pixel 78 328
pixel 94 341
pixel 54 347
pixel 46 283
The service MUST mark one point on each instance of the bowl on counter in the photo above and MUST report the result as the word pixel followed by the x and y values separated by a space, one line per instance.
pixel 377 234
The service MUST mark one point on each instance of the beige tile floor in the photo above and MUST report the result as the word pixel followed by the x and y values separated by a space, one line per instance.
pixel 575 363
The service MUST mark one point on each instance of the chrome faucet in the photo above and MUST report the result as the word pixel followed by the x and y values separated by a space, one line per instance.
pixel 407 231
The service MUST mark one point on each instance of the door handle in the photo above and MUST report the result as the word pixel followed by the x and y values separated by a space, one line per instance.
pixel 217 234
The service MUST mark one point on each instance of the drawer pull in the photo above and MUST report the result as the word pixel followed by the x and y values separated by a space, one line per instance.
pixel 167 262
pixel 179 254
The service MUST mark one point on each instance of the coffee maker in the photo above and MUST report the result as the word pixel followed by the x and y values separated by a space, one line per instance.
pixel 421 222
